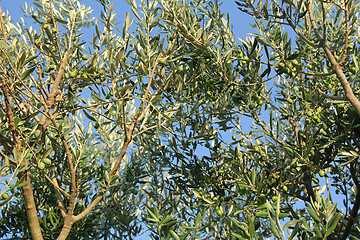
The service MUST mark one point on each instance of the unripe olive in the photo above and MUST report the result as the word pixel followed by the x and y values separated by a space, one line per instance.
pixel 73 74
pixel 294 62
pixel 180 68
pixel 41 165
pixel 4 196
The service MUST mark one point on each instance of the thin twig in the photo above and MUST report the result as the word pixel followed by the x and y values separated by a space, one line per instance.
pixel 331 96
pixel 347 30
pixel 354 211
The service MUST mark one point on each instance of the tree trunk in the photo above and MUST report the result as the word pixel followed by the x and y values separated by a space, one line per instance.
pixel 66 228
pixel 30 207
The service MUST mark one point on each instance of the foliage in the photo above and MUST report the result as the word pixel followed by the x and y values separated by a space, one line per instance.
pixel 75 112
pixel 102 137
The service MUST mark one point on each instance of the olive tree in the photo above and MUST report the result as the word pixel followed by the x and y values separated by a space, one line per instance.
pixel 300 162
pixel 295 174
pixel 131 127
pixel 79 111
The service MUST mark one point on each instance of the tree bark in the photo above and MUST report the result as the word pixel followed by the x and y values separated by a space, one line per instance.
pixel 349 93
pixel 30 207
pixel 66 228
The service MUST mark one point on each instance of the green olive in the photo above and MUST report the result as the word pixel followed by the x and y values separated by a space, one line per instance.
pixel 73 74
pixel 260 102
pixel 4 196
pixel 294 62
pixel 41 165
